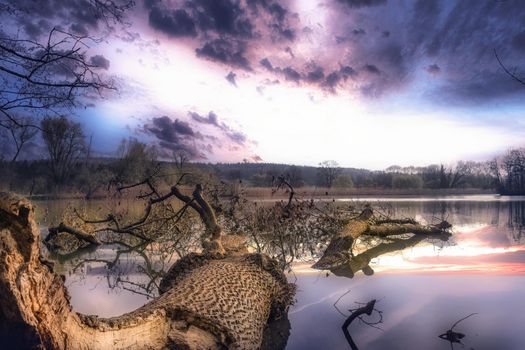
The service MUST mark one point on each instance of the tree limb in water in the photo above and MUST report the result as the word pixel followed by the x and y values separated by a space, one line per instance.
pixel 389 229
pixel 212 301
pixel 83 236
pixel 455 337
pixel 145 226
pixel 367 309
pixel 338 252
pixel 362 261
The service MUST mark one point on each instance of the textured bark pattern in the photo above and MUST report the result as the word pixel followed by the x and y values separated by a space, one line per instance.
pixel 209 302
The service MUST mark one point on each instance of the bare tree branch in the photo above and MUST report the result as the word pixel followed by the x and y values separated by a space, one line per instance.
pixel 365 310
pixel 509 73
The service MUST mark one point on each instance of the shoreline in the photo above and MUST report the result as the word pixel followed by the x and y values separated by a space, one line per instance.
pixel 265 193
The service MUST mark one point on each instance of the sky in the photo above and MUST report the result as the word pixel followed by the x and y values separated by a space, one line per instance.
pixel 367 83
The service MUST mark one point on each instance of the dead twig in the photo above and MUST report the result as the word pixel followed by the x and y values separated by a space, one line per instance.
pixel 367 309
pixel 455 337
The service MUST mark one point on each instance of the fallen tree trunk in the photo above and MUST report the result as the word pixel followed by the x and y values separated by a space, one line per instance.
pixel 338 254
pixel 211 301
pixel 390 229
pixel 338 250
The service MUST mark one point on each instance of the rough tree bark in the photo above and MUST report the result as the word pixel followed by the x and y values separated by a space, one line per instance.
pixel 208 301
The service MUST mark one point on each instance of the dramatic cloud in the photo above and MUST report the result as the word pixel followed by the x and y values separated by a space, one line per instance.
pixel 100 62
pixel 231 78
pixel 173 23
pixel 170 131
pixel 266 64
pixel 225 29
pixel 433 69
pixel 370 68
pixel 362 3
pixel 176 135
pixel 212 119
pixel 294 59
pixel 316 75
pixel 385 41
pixel 199 138
pixel 454 41
pixel 358 31
pixel 485 86
pixel 225 51
pixel 291 74
pixel 39 17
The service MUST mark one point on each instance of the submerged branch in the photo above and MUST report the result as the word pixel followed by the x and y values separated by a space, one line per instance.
pixel 389 229
pixel 338 254
pixel 367 309
pixel 83 236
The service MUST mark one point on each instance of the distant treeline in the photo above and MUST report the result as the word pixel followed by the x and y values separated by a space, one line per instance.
pixel 91 176
pixel 70 168
pixel 464 175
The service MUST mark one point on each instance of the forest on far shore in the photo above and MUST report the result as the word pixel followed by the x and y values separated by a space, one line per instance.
pixel 68 166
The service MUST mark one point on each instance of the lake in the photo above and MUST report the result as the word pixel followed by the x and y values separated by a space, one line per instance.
pixel 421 290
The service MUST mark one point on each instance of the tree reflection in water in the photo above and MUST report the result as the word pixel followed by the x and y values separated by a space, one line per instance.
pixel 137 268
pixel 516 220
pixel 288 232
pixel 360 262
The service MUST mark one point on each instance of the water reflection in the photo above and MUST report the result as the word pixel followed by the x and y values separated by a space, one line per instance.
pixel 276 334
pixel 361 261
pixel 453 336
pixel 416 310
pixel 516 220
pixel 424 286
pixel 114 278
pixel 508 216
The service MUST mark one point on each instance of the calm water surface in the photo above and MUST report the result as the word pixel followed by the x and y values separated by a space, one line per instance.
pixel 421 291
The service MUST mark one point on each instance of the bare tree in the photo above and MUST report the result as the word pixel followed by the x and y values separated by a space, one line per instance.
pixel 328 171
pixel 509 172
pixel 511 73
pixel 20 133
pixel 136 161
pixel 453 176
pixel 47 74
pixel 295 176
pixel 180 159
pixel 65 144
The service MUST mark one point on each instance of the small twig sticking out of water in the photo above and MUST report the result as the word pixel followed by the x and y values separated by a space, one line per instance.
pixel 455 337
pixel 339 299
pixel 370 323
pixel 368 309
